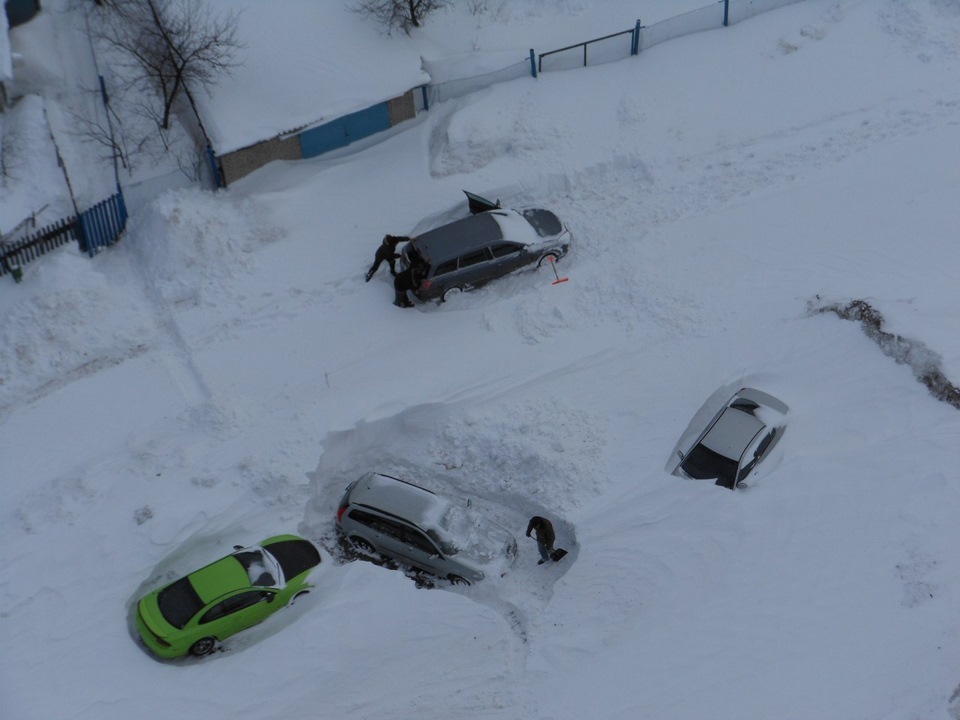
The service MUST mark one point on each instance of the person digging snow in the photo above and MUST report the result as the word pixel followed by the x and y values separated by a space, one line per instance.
pixel 386 252
pixel 545 536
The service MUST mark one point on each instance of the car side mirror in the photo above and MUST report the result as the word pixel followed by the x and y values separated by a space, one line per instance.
pixel 269 597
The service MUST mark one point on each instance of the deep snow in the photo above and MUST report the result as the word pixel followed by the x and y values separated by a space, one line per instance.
pixel 223 372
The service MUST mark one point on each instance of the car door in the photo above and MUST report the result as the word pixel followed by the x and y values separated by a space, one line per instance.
pixel 237 612
pixel 421 552
pixel 475 268
pixel 403 542
pixel 509 256
pixel 390 538
pixel 756 452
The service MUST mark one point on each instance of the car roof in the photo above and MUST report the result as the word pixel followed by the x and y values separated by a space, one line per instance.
pixel 449 241
pixel 732 432
pixel 219 578
pixel 396 497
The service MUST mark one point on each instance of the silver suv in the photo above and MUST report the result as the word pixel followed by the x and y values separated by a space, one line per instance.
pixel 446 538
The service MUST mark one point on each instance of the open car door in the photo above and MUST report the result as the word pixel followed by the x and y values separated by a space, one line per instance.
pixel 480 204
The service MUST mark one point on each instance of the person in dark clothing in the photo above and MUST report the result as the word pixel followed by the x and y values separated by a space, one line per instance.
pixel 386 252
pixel 545 536
pixel 403 281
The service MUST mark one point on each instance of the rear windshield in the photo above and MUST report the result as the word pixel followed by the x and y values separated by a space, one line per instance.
pixel 179 603
pixel 543 221
pixel 415 260
pixel 704 464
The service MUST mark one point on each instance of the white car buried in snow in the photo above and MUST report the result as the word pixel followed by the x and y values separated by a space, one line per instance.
pixel 726 445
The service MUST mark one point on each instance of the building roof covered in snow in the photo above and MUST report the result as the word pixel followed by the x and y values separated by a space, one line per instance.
pixel 324 69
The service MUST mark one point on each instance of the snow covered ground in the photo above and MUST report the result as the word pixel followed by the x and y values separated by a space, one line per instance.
pixel 223 372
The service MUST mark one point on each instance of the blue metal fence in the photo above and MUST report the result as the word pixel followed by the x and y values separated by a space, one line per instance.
pixel 94 229
pixel 101 225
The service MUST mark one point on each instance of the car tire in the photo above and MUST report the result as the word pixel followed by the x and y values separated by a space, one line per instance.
pixel 203 646
pixel 363 546
pixel 450 293
pixel 457 580
pixel 547 259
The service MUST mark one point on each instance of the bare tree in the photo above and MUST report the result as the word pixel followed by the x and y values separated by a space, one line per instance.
pixel 174 47
pixel 403 14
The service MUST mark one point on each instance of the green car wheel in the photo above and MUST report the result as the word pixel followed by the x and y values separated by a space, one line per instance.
pixel 203 646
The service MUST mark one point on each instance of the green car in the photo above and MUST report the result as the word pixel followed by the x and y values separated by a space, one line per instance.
pixel 192 614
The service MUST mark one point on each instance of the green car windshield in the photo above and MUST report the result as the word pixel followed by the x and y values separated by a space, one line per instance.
pixel 179 602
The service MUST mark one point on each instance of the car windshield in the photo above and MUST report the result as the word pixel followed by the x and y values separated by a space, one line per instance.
pixel 543 221
pixel 704 464
pixel 179 602
pixel 261 568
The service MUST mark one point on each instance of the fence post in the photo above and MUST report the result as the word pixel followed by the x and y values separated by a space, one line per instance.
pixel 533 63
pixel 217 178
pixel 726 12
pixel 635 45
pixel 426 99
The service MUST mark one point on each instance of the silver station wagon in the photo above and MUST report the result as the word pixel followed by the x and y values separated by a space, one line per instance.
pixel 426 531
pixel 489 244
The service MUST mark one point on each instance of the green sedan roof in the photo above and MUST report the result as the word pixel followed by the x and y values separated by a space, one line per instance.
pixel 219 578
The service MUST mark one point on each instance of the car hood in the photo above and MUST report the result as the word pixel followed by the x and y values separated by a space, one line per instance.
pixel 481 543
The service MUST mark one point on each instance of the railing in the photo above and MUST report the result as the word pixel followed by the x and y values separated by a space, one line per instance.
pixel 633 33
pixel 94 229
pixel 101 225
pixel 720 13
pixel 13 256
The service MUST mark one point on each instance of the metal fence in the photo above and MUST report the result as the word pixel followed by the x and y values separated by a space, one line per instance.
pixel 101 225
pixel 609 48
pixel 94 229
pixel 14 255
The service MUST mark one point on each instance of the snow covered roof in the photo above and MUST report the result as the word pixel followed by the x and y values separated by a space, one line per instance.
pixel 329 64
pixel 6 60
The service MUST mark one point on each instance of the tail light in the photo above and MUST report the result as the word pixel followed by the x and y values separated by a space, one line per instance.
pixel 340 511
pixel 425 284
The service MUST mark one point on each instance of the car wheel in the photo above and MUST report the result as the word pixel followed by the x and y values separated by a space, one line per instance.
pixel 457 580
pixel 203 646
pixel 547 260
pixel 363 546
pixel 450 293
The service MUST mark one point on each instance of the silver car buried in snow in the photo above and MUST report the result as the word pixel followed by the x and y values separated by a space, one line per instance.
pixel 440 535
pixel 727 444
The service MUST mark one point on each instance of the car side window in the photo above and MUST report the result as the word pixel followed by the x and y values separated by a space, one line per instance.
pixel 447 267
pixel 765 443
pixel 364 518
pixel 232 605
pixel 504 249
pixel 418 540
pixel 478 256
pixel 391 528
